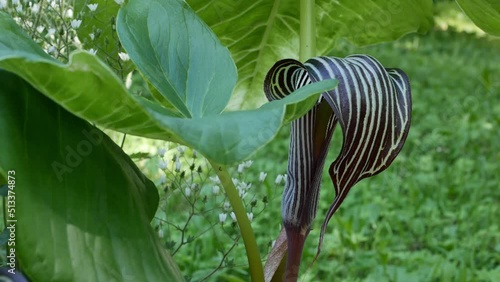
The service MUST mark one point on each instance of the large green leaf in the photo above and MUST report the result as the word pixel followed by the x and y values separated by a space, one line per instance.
pixel 179 54
pixel 89 89
pixel 259 33
pixel 83 207
pixel 484 13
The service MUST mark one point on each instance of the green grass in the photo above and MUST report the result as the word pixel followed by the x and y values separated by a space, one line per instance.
pixel 432 216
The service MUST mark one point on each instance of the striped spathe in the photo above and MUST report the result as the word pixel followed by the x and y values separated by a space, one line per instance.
pixel 371 104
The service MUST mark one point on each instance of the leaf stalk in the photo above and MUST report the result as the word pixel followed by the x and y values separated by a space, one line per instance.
pixel 307 30
pixel 252 249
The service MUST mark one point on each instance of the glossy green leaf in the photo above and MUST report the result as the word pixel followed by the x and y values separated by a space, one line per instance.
pixel 83 207
pixel 222 137
pixel 89 89
pixel 179 54
pixel 484 13
pixel 259 33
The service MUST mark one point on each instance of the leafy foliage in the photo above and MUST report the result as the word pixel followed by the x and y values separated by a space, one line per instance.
pixel 80 199
pixel 225 138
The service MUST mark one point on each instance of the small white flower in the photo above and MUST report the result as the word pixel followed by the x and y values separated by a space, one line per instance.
pixel 279 179
pixel 69 13
pixel 14 2
pixel 76 23
pixel 244 186
pixel 240 168
pixel 233 216
pixel 216 189
pixel 161 152
pixel 226 206
pixel 262 176
pixel 92 7
pixel 235 181
pixel 51 31
pixel 242 193
pixel 76 41
pixel 93 51
pixel 162 164
pixel 92 36
pixel 119 2
pixel 163 179
pixel 3 4
pixel 35 8
pixel 181 149
pixel 250 216
pixel 247 164
pixel 52 50
pixel 160 232
pixel 177 166
pixel 187 191
pixel 222 217
pixel 215 179
pixel 28 24
pixel 19 8
pixel 128 80
pixel 123 56
pixel 40 29
pixel 194 186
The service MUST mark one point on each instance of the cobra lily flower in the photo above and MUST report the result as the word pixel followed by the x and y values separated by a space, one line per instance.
pixel 373 107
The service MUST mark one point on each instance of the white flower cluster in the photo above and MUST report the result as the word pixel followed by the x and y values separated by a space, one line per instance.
pixel 281 178
pixel 223 217
pixel 243 188
pixel 192 188
pixel 163 163
pixel 50 23
pixel 244 165
pixel 215 179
